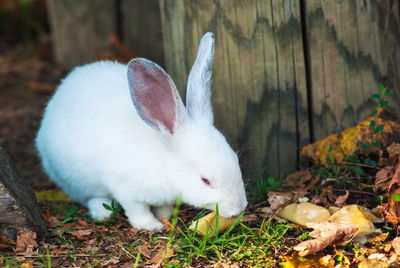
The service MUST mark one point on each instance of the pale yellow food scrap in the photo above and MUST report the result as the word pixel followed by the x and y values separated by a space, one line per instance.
pixel 304 213
pixel 207 224
pixel 352 214
pixel 340 145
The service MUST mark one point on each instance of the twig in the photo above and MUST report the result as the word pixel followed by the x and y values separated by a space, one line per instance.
pixel 355 191
pixel 359 164
pixel 127 252
pixel 60 255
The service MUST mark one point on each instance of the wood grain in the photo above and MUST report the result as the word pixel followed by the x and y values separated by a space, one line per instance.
pixel 353 46
pixel 141 26
pixel 259 91
pixel 81 29
pixel 18 206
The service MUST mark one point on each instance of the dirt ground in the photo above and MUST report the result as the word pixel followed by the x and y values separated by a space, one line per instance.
pixel 26 82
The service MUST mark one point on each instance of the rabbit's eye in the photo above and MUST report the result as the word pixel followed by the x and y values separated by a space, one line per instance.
pixel 206 181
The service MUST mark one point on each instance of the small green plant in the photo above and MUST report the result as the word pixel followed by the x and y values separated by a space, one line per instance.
pixel 382 103
pixel 395 197
pixel 115 209
pixel 357 164
pixel 70 216
pixel 258 188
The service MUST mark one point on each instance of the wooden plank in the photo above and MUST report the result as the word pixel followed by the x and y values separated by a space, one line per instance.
pixel 353 45
pixel 141 29
pixel 259 91
pixel 81 29
pixel 18 206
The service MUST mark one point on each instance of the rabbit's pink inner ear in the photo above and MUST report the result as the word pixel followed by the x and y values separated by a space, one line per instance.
pixel 154 95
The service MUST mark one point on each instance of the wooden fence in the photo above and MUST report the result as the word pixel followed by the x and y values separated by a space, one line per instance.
pixel 285 73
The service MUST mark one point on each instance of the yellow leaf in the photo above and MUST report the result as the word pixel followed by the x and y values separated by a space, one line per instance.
pixel 340 145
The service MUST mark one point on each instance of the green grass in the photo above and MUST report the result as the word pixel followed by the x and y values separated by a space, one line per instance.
pixel 250 246
pixel 245 245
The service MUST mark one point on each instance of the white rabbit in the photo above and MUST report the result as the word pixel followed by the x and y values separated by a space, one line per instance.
pixel 114 131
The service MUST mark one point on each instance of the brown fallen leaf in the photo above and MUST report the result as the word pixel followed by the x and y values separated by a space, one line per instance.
pixel 163 255
pixel 6 243
pixel 391 209
pixel 396 245
pixel 383 178
pixel 277 201
pixel 380 238
pixel 144 250
pixel 394 152
pixel 207 224
pixel 83 223
pixel 301 180
pixel 82 235
pixel 342 199
pixel 26 241
pixel 167 224
pixel 325 234
pixel 368 263
pixel 250 218
pixel 110 261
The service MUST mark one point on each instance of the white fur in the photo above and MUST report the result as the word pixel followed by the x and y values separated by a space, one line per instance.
pixel 94 145
pixel 198 95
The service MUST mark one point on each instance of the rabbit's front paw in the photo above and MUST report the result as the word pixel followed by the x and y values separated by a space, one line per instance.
pixel 140 217
pixel 150 225
pixel 97 210
pixel 164 211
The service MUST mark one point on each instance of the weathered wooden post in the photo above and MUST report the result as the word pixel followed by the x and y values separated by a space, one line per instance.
pixel 80 29
pixel 353 46
pixel 88 30
pixel 259 89
pixel 18 206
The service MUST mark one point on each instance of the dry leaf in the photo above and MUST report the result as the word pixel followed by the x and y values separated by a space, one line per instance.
pixel 6 243
pixel 367 263
pixel 325 234
pixel 337 147
pixel 250 218
pixel 301 180
pixel 207 224
pixel 382 179
pixel 81 234
pixel 396 245
pixel 304 213
pixel 167 224
pixel 391 209
pixel 26 241
pixel 342 199
pixel 393 151
pixel 158 260
pixel 277 201
pixel 144 250
pixel 112 260
pixel 380 238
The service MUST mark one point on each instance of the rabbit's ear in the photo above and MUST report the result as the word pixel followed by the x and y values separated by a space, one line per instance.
pixel 155 96
pixel 198 95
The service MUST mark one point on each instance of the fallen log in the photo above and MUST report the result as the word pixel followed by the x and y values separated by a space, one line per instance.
pixel 19 209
